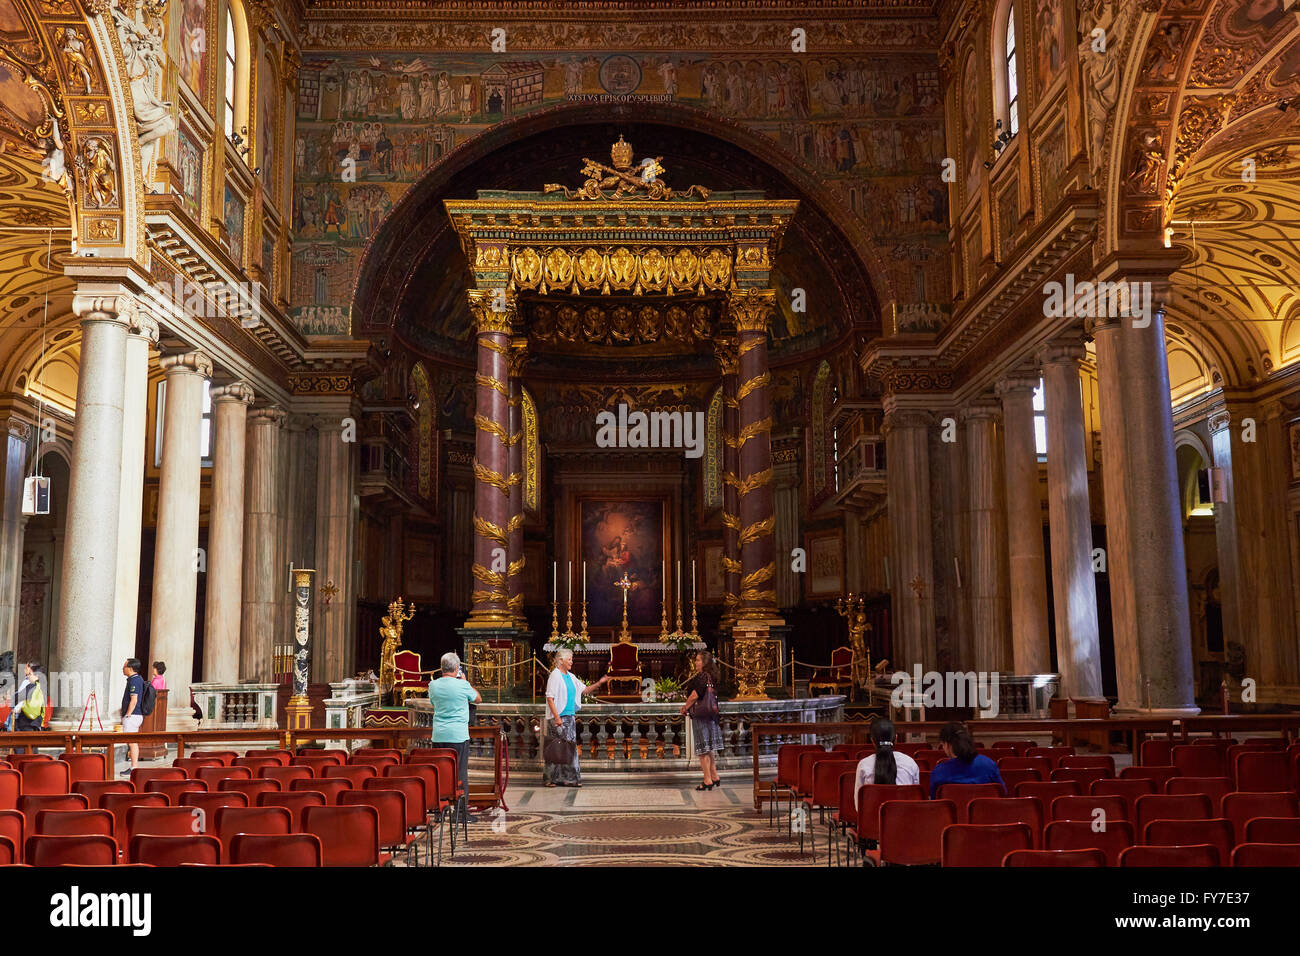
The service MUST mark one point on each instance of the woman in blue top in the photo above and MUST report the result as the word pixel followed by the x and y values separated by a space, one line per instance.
pixel 964 763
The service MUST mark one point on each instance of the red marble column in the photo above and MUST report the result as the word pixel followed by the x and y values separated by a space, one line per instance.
pixel 751 310
pixel 493 478
pixel 730 499
pixel 515 526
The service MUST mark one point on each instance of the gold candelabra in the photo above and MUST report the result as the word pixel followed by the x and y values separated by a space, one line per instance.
pixel 677 635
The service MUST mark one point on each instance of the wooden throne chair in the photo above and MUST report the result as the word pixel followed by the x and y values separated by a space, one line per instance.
pixel 836 679
pixel 407 677
pixel 624 671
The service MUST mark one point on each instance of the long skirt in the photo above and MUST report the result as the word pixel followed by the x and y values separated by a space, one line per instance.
pixel 563 774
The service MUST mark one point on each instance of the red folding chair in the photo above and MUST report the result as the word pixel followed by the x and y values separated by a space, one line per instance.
pixel 348 835
pixel 41 777
pixel 1200 856
pixel 1163 806
pixel 1159 774
pixel 1216 788
pixel 1260 772
pixel 192 765
pixel 1217 833
pixel 1243 807
pixel 294 849
pixel 986 811
pixel 141 776
pixel 209 803
pixel 1273 830
pixel 250 788
pixel 11 786
pixel 1089 762
pixel 871 797
pixel 92 790
pixel 284 775
pixel 198 848
pixel 1054 754
pixel 173 790
pixel 119 804
pixel 231 820
pixel 1087 808
pixel 317 762
pixel 1048 791
pixel 295 802
pixel 74 822
pixel 1013 778
pixel 413 809
pixel 961 794
pixel 1129 790
pixel 163 821
pixel 1018 747
pixel 911 832
pixel 225 756
pixel 255 764
pixel 1081 835
pixel 353 774
pixel 391 807
pixel 1083 776
pixel 85 766
pixel 29 806
pixel 213 776
pixel 1040 764
pixel 967 844
pixel 1157 751
pixel 8 852
pixel 12 827
pixel 1266 854
pixel 280 755
pixel 1050 858
pixel 1202 761
pixel 331 788
pixel 86 850
pixel 825 792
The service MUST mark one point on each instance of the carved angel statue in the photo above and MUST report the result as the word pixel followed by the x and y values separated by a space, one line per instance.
pixel 101 173
pixel 1100 58
pixel 73 50
pixel 143 51
pixel 54 165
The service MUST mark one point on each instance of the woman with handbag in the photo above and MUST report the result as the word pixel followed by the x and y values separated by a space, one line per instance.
pixel 702 705
pixel 563 700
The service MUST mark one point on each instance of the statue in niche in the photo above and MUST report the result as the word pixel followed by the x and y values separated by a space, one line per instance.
pixel 143 50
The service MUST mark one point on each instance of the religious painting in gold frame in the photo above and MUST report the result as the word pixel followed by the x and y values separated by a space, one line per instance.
pixel 712 575
pixel 825 575
pixel 617 534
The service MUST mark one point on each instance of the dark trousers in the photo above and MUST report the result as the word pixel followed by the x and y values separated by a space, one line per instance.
pixel 462 761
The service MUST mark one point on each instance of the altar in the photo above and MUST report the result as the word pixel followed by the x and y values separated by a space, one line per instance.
pixel 657 660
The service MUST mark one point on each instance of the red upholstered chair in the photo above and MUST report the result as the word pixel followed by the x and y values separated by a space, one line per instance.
pixel 1260 772
pixel 1241 807
pixel 1053 754
pixel 250 788
pixel 785 781
pixel 1217 832
pixel 285 775
pixel 162 821
pixel 85 766
pixel 120 804
pixel 254 764
pixel 330 787
pixel 836 679
pixel 1083 776
pixel 11 785
pixel 961 794
pixel 192 765
pixel 1264 743
pixel 280 755
pixel 986 811
pixel 449 788
pixel 1199 761
pixel 1089 762
pixel 1163 806
pixel 911 831
pixel 1266 854
pixel 173 790
pixel 1085 808
pixel 391 807
pixel 437 798
pixel 934 757
pixel 1013 778
pixel 8 852
pixel 1203 855
pixel 1053 858
pixel 17 760
pixel 845 814
pixel 214 775
pixel 349 835
pixel 225 756
pixel 870 799
pixel 624 670
pixel 1040 764
pixel 1157 751
pixel 12 827
pixel 377 751
pixel 975 845
pixel 200 848
pixel 294 849
pixel 1018 747
pixel 1130 790
pixel 209 803
pixel 74 822
pixel 378 761
pixel 92 790
pixel 141 776
pixel 407 681
pixel 322 752
pixel 354 774
pixel 231 820
pixel 295 802
pixel 1213 787
pixel 1079 835
pixel 1273 830
pixel 86 850
pixel 825 796
pixel 31 805
pixel 1160 774
pixel 317 763
pixel 46 777
pixel 413 810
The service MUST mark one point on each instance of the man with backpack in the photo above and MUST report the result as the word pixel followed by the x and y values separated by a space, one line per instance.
pixel 137 700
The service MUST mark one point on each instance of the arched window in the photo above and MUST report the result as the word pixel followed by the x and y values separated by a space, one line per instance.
pixel 232 70
pixel 1009 63
pixel 1006 77
pixel 235 66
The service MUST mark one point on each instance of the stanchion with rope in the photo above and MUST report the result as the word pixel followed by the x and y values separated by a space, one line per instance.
pixel 95 718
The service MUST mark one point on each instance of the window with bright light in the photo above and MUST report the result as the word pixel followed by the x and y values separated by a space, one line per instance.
pixel 205 425
pixel 231 67
pixel 1012 87
pixel 1040 421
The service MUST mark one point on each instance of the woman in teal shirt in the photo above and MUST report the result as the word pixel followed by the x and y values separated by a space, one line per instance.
pixel 451 695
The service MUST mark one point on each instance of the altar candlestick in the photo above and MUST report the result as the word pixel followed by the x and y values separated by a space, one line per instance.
pixel 555 580
pixel 692 580
pixel 584 582
pixel 570 581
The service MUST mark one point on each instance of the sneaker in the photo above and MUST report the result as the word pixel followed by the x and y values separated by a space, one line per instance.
pixel 125 773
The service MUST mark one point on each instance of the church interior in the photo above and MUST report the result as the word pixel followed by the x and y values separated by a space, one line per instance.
pixel 897 365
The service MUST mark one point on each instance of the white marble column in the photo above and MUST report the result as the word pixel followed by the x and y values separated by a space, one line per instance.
pixel 226 534
pixel 334 642
pixel 911 564
pixel 135 403
pixel 265 576
pixel 1078 651
pixel 89 581
pixel 176 551
pixel 987 575
pixel 13 470
pixel 1030 637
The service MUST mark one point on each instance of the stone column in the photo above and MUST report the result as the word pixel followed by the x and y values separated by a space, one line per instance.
pixel 1078 651
pixel 911 560
pixel 89 581
pixel 224 610
pixel 515 524
pixel 751 310
pixel 13 470
pixel 135 404
pixel 730 505
pixel 299 444
pixel 1030 637
pixel 987 574
pixel 492 475
pixel 176 558
pixel 1144 528
pixel 334 637
pixel 265 575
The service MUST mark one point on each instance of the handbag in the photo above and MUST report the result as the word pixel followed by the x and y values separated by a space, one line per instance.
pixel 707 708
pixel 557 749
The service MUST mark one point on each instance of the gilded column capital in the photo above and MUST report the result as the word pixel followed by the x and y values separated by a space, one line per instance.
pixel 193 362
pixel 104 308
pixel 494 310
pixel 517 355
pixel 1062 353
pixel 144 326
pixel 267 415
pixel 751 309
pixel 233 392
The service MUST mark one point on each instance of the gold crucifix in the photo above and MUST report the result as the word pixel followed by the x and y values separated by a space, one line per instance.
pixel 626 584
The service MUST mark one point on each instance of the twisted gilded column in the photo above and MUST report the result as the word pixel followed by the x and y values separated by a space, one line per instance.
pixel 264 572
pixel 751 310
pixel 515 442
pixel 176 557
pixel 493 478
pixel 1030 638
pixel 1078 646
pixel 226 534
pixel 730 506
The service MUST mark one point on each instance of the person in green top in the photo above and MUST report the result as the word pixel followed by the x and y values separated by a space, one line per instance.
pixel 29 708
pixel 451 695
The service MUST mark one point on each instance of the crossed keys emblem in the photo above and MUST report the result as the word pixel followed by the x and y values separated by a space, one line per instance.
pixel 641 179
